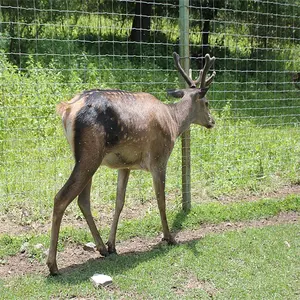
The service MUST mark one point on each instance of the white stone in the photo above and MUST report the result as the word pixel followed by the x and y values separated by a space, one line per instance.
pixel 39 246
pixel 24 247
pixel 101 280
pixel 89 246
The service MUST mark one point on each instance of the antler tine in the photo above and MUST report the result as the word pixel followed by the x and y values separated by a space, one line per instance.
pixel 210 79
pixel 202 74
pixel 199 77
pixel 189 81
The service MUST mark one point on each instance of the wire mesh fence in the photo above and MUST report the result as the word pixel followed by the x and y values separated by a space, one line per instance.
pixel 51 50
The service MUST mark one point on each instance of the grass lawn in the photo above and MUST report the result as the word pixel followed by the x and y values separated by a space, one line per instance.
pixel 256 263
pixel 245 263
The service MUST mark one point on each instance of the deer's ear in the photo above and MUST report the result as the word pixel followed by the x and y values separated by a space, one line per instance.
pixel 175 93
pixel 201 92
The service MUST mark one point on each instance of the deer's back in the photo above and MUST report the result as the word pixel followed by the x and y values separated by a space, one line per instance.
pixel 129 124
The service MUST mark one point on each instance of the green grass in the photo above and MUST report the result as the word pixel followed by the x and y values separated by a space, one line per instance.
pixel 242 155
pixel 227 160
pixel 245 264
pixel 255 144
pixel 209 213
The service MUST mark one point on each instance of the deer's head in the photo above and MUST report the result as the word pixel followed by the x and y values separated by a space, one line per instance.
pixel 196 92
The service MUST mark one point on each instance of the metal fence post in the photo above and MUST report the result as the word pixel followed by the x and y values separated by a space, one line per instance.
pixel 185 139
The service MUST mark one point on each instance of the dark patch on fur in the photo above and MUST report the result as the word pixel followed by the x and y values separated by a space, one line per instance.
pixel 123 159
pixel 95 92
pixel 99 113
pixel 176 93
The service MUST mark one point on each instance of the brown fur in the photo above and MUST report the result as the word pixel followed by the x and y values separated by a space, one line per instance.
pixel 126 131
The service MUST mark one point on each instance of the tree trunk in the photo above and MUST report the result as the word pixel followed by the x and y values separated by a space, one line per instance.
pixel 141 23
pixel 204 48
pixel 205 43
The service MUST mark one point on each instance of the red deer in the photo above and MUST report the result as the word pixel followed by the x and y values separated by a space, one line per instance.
pixel 125 131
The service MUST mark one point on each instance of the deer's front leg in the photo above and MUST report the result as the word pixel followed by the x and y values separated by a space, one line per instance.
pixel 159 178
pixel 123 176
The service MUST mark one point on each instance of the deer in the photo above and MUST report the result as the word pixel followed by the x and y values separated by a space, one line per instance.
pixel 125 131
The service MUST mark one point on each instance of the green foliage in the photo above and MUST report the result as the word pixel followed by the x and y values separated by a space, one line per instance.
pixel 9 245
pixel 252 147
pixel 247 35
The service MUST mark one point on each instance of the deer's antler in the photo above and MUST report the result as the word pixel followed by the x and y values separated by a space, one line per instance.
pixel 188 80
pixel 204 83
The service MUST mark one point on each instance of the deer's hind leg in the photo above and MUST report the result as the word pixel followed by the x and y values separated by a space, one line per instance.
pixel 78 184
pixel 85 207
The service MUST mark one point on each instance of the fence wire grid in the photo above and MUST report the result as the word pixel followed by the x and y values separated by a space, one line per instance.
pixel 51 50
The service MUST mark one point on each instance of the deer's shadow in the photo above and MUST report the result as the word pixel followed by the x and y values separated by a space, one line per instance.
pixel 118 264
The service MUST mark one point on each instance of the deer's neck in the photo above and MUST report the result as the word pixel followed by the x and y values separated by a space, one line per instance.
pixel 183 114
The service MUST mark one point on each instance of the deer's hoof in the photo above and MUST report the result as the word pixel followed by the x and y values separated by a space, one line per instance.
pixel 53 269
pixel 111 248
pixel 170 240
pixel 104 252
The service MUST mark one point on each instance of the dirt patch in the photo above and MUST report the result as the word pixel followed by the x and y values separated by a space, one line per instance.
pixel 281 193
pixel 11 226
pixel 194 283
pixel 74 255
